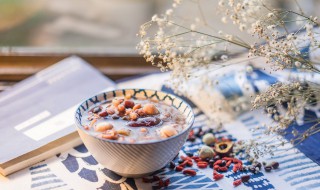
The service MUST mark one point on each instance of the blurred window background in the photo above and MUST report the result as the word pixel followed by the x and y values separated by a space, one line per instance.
pixel 37 33
pixel 74 24
pixel 88 24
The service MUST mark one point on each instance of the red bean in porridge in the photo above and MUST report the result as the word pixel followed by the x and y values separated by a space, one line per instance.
pixel 133 120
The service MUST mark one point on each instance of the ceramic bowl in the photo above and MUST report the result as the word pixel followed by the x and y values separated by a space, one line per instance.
pixel 134 159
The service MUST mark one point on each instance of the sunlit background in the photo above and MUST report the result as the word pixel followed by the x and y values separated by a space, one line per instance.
pixel 37 33
pixel 74 23
pixel 88 23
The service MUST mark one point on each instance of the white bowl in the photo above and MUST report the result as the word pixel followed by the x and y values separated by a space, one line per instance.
pixel 134 159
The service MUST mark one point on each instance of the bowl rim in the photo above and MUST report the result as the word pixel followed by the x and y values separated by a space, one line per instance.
pixel 80 127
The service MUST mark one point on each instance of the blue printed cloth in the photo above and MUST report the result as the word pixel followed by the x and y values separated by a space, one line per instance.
pixel 77 169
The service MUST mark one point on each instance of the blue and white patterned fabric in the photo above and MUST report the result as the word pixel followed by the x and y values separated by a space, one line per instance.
pixel 77 169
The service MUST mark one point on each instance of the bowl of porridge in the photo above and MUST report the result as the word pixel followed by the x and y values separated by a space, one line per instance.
pixel 134 132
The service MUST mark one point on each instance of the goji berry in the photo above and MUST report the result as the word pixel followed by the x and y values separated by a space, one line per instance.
pixel 179 168
pixel 218 162
pixel 190 172
pixel 202 165
pixel 217 176
pixel 184 163
pixel 191 133
pixel 189 163
pixel 223 169
pixel 235 168
pixel 237 182
pixel 235 160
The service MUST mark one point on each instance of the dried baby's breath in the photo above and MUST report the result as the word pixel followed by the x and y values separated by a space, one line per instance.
pixel 285 102
pixel 187 44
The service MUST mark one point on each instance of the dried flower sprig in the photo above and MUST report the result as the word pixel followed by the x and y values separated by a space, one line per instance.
pixel 186 46
pixel 282 48
pixel 170 49
pixel 286 103
pixel 175 46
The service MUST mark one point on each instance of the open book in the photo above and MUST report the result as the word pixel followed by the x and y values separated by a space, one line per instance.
pixel 37 114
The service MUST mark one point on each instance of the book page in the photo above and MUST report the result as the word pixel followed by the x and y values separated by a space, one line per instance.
pixel 41 108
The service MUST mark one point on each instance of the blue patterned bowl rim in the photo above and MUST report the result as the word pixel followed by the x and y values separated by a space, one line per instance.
pixel 94 100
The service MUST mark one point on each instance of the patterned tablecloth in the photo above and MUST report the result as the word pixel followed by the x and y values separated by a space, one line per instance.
pixel 77 169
